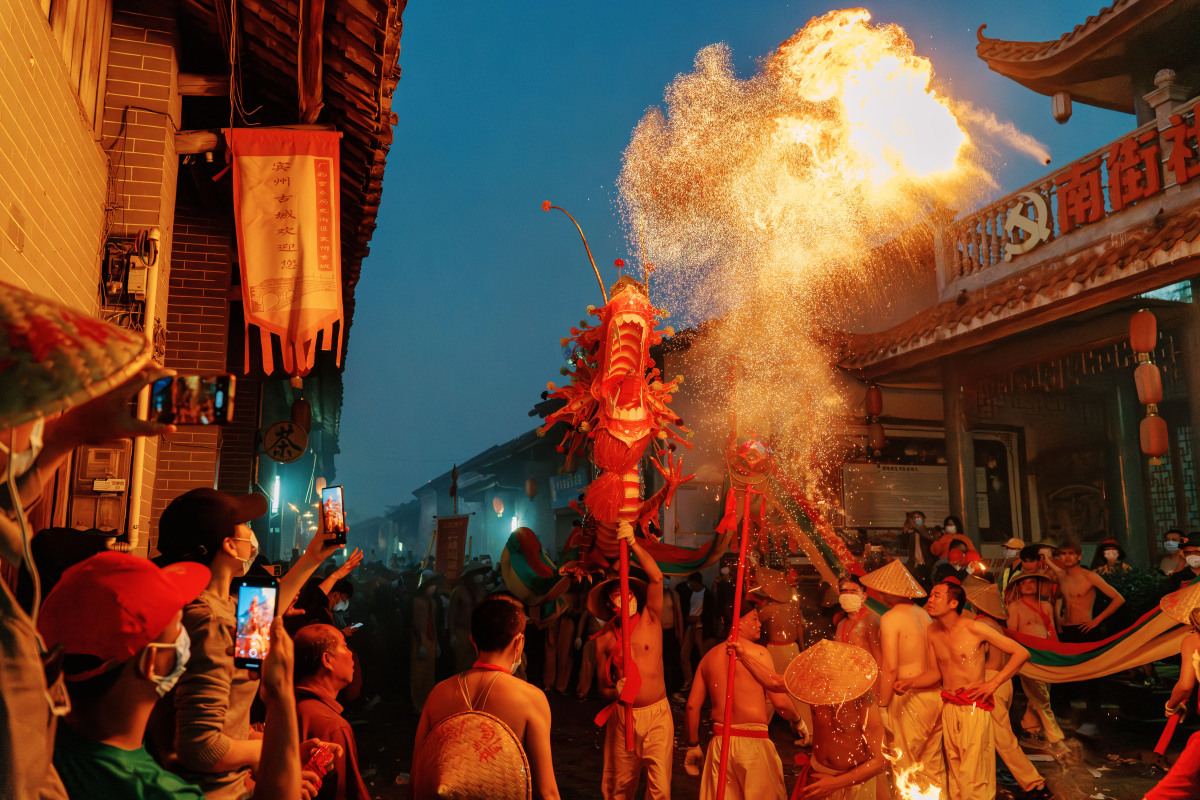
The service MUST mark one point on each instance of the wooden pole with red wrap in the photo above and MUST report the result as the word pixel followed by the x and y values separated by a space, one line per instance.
pixel 733 637
pixel 626 650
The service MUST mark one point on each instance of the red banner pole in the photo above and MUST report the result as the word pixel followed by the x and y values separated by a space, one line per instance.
pixel 626 708
pixel 733 637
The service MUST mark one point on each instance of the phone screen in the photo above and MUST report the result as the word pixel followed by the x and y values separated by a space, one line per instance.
pixel 255 611
pixel 333 506
pixel 192 399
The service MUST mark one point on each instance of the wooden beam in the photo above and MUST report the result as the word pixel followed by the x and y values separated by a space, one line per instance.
pixel 310 57
pixel 193 85
pixel 190 142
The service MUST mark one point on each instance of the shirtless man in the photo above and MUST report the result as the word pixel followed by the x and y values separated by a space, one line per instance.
pixel 914 719
pixel 754 769
pixel 779 611
pixel 1079 585
pixel 956 664
pixel 990 611
pixel 645 701
pixel 1032 616
pixel 861 626
pixel 498 632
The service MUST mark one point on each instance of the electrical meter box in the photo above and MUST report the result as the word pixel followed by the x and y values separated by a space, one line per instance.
pixel 99 485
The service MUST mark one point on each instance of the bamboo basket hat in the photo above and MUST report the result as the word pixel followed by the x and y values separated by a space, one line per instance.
pixel 894 579
pixel 1179 605
pixel 53 357
pixel 986 598
pixel 472 755
pixel 772 583
pixel 830 673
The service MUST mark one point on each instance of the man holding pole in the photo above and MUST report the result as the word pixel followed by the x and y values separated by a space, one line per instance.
pixel 629 666
pixel 754 769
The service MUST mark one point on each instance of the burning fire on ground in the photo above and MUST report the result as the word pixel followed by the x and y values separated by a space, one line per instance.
pixel 767 201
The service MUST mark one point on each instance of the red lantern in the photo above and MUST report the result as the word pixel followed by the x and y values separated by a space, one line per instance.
pixel 875 438
pixel 302 413
pixel 1149 383
pixel 874 401
pixel 1143 332
pixel 1153 431
pixel 498 506
pixel 531 488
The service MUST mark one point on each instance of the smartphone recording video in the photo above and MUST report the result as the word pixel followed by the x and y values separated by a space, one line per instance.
pixel 192 400
pixel 333 507
pixel 256 599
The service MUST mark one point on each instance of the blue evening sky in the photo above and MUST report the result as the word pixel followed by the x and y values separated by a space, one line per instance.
pixel 470 285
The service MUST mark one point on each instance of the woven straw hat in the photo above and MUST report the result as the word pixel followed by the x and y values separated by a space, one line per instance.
pixel 472 755
pixel 1180 604
pixel 53 357
pixel 986 598
pixel 597 601
pixel 773 583
pixel 830 673
pixel 894 579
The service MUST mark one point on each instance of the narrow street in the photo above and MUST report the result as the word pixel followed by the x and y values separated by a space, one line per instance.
pixel 1116 762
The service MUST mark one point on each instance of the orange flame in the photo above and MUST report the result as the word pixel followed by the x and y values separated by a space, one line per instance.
pixel 908 788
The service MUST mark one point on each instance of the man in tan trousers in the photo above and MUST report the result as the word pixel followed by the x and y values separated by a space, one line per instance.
pixel 754 771
pixel 914 719
pixel 645 704
pixel 990 611
pixel 956 665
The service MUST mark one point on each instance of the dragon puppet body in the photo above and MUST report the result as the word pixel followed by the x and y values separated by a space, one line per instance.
pixel 615 405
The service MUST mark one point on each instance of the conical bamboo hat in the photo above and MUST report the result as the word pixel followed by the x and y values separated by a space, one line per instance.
pixel 894 579
pixel 986 598
pixel 830 673
pixel 1179 605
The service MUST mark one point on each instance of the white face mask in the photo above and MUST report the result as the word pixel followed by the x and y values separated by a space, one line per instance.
pixel 342 606
pixel 951 528
pixel 1011 553
pixel 249 562
pixel 1110 555
pixel 183 651
pixel 851 603
pixel 1193 561
pixel 1171 545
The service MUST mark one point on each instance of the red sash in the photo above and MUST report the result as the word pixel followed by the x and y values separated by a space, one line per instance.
pixel 960 698
pixel 1051 631
pixel 844 637
pixel 615 669
pixel 804 776
pixel 719 729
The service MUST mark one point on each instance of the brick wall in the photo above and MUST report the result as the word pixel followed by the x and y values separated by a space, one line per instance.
pixel 197 326
pixel 142 108
pixel 52 170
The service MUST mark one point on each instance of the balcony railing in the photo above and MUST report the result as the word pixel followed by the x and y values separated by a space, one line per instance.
pixel 979 241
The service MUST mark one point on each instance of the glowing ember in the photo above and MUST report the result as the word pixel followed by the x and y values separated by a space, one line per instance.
pixel 765 201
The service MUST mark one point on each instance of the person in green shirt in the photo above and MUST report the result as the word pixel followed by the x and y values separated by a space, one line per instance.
pixel 118 618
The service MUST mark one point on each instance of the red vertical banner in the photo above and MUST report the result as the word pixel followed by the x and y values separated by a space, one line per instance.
pixel 451 544
pixel 286 189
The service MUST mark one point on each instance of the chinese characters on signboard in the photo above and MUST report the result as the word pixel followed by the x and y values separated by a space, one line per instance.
pixel 1131 170
pixel 286 189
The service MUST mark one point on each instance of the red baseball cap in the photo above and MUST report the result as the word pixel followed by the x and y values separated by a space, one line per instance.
pixel 113 604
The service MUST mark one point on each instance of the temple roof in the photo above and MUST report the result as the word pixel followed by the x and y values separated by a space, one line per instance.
pixel 1109 59
pixel 1152 255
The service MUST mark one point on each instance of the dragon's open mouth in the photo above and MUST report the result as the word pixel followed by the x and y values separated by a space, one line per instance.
pixel 623 378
